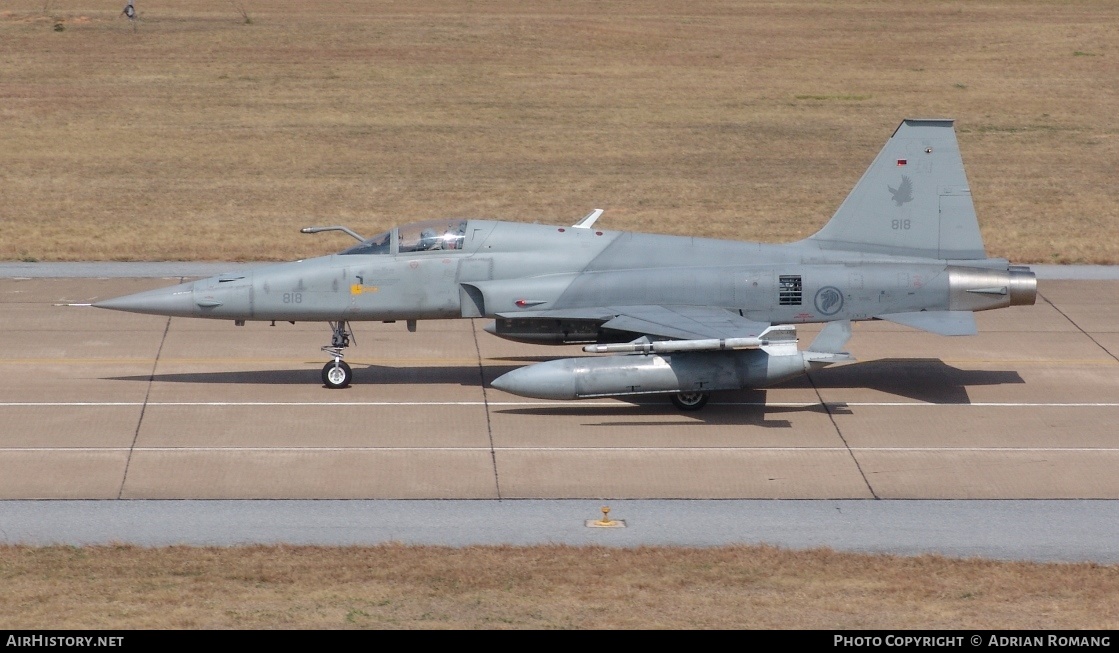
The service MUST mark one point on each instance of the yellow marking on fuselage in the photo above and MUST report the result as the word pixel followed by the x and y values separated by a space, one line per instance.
pixel 357 289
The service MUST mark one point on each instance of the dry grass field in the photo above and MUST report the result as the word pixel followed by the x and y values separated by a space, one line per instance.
pixel 195 134
pixel 543 587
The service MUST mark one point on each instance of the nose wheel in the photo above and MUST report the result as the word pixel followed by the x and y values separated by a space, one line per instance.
pixel 337 374
pixel 690 400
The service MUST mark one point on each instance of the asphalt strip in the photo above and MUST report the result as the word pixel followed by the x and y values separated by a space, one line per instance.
pixel 1029 530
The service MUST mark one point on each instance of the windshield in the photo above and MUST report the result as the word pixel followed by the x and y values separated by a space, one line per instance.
pixel 428 236
pixel 433 235
pixel 378 244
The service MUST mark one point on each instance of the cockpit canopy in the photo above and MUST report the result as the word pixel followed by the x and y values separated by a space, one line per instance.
pixel 379 244
pixel 427 236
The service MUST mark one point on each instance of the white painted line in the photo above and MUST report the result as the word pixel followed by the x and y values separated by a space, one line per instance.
pixel 977 404
pixel 71 404
pixel 567 449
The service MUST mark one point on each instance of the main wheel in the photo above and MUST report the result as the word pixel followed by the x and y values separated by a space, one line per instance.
pixel 336 374
pixel 690 400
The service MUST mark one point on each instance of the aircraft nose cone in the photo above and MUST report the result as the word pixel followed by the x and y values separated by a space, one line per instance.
pixel 175 301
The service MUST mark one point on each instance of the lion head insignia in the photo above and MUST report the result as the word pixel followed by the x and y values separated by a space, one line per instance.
pixel 829 300
pixel 903 193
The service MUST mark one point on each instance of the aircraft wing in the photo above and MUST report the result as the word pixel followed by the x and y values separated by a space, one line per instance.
pixel 679 322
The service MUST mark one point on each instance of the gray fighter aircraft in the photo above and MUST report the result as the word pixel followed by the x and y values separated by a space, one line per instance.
pixel 675 315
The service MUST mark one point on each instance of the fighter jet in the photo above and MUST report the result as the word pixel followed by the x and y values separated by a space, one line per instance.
pixel 673 315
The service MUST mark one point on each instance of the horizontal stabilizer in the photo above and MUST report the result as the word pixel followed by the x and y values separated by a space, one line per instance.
pixel 832 338
pixel 945 323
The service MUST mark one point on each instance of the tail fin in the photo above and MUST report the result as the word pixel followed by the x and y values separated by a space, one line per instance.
pixel 914 200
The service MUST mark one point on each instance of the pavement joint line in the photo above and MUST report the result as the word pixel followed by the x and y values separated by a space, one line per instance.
pixel 835 425
pixel 1073 323
pixel 143 408
pixel 568 449
pixel 556 404
pixel 486 404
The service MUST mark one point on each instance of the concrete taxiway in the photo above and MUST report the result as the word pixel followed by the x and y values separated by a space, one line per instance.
pixel 103 405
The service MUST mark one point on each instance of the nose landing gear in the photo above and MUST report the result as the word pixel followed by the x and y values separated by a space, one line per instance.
pixel 337 374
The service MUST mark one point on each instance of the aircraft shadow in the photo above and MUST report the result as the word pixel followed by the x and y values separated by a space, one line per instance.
pixel 525 359
pixel 363 374
pixel 263 377
pixel 744 409
pixel 929 380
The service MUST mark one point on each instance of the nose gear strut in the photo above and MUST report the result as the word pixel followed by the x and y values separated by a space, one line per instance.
pixel 337 374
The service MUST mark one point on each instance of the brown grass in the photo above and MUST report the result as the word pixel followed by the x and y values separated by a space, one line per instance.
pixel 193 135
pixel 541 587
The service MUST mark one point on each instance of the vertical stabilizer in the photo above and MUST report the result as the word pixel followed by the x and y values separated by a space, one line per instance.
pixel 914 200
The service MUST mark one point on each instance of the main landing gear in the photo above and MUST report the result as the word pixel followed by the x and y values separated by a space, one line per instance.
pixel 337 374
pixel 690 400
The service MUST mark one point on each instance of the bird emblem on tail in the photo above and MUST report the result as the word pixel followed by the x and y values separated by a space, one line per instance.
pixel 903 193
